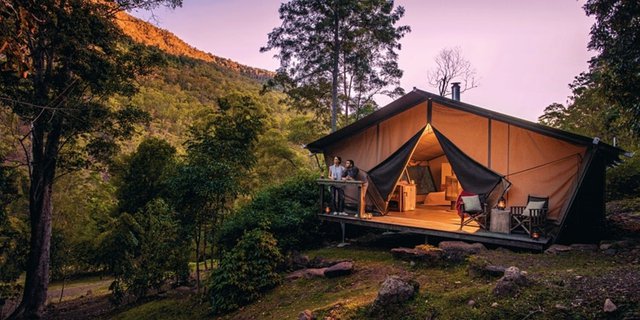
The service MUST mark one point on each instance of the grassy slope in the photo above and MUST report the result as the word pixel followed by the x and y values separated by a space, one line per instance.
pixel 579 281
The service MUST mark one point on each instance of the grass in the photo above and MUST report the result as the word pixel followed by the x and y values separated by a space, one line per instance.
pixel 178 309
pixel 445 291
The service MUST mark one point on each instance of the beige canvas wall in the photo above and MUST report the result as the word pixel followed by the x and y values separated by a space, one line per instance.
pixel 378 142
pixel 466 130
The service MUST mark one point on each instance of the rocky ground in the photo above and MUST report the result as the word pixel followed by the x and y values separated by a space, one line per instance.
pixel 449 280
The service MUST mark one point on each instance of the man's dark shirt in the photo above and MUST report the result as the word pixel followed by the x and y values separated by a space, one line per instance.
pixel 352 173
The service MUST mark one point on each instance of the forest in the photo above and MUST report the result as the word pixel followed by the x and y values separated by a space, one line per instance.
pixel 129 164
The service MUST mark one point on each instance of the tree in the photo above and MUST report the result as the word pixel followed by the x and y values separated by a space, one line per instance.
pixel 333 51
pixel 143 175
pixel 452 66
pixel 220 154
pixel 616 37
pixel 60 60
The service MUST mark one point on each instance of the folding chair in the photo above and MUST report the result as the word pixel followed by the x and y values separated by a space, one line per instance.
pixel 532 217
pixel 474 208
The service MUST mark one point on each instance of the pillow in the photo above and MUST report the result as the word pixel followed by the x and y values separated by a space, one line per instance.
pixel 535 205
pixel 472 204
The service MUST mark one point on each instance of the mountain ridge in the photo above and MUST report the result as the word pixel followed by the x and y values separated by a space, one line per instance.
pixel 146 33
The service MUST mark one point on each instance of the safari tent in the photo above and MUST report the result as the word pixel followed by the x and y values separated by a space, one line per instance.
pixel 423 140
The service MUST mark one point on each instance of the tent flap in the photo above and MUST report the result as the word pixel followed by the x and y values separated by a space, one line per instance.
pixel 473 176
pixel 385 175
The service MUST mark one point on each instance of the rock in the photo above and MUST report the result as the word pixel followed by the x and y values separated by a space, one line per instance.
pixel 495 304
pixel 471 303
pixel 458 250
pixel 494 271
pixel 509 284
pixel 339 269
pixel 429 257
pixel 557 248
pixel 306 315
pixel 561 307
pixel 515 275
pixel 505 288
pixel 306 273
pixel 610 251
pixel 343 244
pixel 609 306
pixel 584 247
pixel 299 261
pixel 320 262
pixel 395 290
pixel 605 246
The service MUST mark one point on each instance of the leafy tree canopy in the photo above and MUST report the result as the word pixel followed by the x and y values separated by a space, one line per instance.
pixel 337 50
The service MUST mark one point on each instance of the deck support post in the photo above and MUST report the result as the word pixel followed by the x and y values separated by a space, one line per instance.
pixel 343 227
pixel 426 239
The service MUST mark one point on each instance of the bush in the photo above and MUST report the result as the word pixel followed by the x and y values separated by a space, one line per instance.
pixel 245 272
pixel 287 210
pixel 623 181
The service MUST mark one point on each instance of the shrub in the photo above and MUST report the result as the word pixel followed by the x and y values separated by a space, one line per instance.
pixel 287 210
pixel 623 181
pixel 245 272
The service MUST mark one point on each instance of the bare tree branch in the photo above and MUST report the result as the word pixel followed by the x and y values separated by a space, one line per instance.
pixel 452 66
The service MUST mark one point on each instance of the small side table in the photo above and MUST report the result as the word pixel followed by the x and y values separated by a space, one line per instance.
pixel 500 221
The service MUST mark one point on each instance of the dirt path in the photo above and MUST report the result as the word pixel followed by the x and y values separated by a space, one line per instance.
pixel 77 290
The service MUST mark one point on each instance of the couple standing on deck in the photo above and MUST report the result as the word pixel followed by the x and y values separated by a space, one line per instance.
pixel 338 172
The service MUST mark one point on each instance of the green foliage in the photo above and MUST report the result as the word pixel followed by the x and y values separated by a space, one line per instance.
pixel 623 181
pixel 143 175
pixel 145 249
pixel 287 210
pixel 245 272
pixel 342 50
pixel 615 36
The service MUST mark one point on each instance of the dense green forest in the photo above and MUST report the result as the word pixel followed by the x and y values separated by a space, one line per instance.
pixel 164 164
pixel 180 96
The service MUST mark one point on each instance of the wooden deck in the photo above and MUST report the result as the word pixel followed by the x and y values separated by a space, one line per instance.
pixel 441 222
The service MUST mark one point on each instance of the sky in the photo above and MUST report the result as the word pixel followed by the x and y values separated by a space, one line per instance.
pixel 525 52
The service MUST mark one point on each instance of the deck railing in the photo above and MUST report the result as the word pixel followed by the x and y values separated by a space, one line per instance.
pixel 323 183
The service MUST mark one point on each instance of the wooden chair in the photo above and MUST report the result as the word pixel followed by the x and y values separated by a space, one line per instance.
pixel 531 218
pixel 478 216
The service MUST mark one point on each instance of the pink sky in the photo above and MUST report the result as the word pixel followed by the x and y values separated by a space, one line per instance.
pixel 525 52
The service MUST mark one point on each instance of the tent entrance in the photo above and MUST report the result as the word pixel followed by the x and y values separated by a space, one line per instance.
pixel 434 174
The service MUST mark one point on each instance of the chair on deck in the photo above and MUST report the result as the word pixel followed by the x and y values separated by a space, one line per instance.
pixel 473 208
pixel 532 217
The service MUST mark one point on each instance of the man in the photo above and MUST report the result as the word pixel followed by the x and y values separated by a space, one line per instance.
pixel 336 172
pixel 351 172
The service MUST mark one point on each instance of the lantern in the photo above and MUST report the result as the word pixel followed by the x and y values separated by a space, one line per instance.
pixel 327 210
pixel 535 235
pixel 502 203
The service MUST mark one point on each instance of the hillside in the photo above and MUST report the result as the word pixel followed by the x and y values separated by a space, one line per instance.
pixel 146 33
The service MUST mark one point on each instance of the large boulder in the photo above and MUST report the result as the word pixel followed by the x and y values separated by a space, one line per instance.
pixel 395 290
pixel 459 251
pixel 481 267
pixel 510 282
pixel 339 269
pixel 307 273
pixel 424 254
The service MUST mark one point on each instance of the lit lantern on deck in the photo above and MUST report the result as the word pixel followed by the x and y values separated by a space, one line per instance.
pixel 535 235
pixel 502 203
pixel 327 210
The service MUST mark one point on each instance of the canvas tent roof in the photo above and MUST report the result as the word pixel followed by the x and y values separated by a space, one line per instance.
pixel 535 158
pixel 418 96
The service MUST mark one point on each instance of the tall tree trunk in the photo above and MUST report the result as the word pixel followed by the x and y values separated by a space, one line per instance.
pixel 336 68
pixel 204 247
pixel 197 239
pixel 44 155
